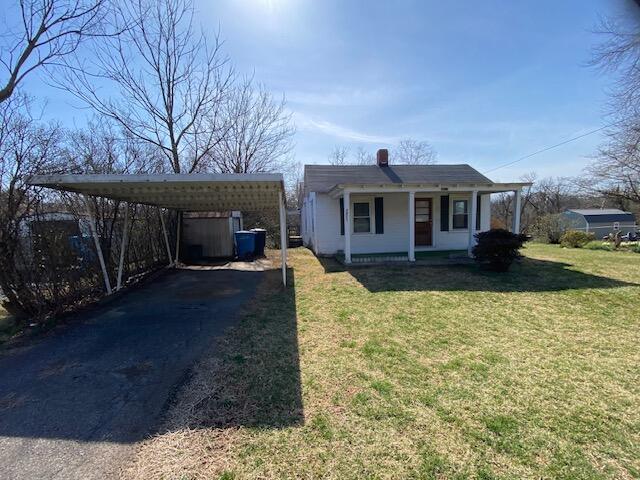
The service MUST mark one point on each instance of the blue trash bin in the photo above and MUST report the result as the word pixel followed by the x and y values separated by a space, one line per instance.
pixel 261 240
pixel 245 244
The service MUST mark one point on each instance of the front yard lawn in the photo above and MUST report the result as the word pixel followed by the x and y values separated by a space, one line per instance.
pixel 420 372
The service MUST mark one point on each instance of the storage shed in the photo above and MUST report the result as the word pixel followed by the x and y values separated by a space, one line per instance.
pixel 600 222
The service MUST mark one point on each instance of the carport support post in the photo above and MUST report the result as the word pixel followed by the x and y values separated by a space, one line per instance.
pixel 123 246
pixel 472 218
pixel 179 221
pixel 283 238
pixel 96 240
pixel 166 237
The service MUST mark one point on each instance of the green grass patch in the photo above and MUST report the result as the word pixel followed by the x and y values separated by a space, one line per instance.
pixel 425 372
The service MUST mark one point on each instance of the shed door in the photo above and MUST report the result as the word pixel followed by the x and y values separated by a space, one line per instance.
pixel 424 221
pixel 211 233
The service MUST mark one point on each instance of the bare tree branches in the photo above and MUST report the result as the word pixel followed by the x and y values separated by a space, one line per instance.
pixel 49 31
pixel 257 132
pixel 338 156
pixel 616 172
pixel 414 152
pixel 171 81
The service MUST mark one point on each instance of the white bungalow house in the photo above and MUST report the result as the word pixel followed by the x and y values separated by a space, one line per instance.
pixel 397 210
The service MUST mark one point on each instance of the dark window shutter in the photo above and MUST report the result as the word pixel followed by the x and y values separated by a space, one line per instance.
pixel 478 210
pixel 444 213
pixel 379 207
pixel 342 216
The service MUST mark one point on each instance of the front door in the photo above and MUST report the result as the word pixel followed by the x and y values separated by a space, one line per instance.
pixel 424 222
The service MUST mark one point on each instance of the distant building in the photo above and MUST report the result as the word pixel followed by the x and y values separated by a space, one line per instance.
pixel 600 222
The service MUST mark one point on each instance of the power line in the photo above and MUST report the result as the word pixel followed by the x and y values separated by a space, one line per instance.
pixel 551 147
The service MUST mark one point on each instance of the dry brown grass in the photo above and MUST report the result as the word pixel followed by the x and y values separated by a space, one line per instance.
pixel 430 372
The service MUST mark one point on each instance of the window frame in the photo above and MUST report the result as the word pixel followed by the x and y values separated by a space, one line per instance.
pixel 454 214
pixel 369 216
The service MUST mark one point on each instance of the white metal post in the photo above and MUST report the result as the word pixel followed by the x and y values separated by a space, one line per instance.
pixel 123 246
pixel 96 240
pixel 283 238
pixel 347 226
pixel 179 221
pixel 472 218
pixel 517 206
pixel 412 226
pixel 166 237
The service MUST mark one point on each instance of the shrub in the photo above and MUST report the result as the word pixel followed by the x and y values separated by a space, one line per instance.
pixel 496 249
pixel 548 228
pixel 576 238
pixel 598 245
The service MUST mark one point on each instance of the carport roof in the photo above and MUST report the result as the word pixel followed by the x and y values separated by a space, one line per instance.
pixel 186 192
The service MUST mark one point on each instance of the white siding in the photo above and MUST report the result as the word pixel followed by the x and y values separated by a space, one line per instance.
pixel 328 240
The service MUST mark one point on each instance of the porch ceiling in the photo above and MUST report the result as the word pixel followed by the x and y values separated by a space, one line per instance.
pixel 193 192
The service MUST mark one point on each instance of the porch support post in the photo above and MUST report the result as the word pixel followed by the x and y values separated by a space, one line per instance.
pixel 179 222
pixel 472 216
pixel 283 238
pixel 96 240
pixel 412 226
pixel 166 237
pixel 517 206
pixel 123 245
pixel 347 226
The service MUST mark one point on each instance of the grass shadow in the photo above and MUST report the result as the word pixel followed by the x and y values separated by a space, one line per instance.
pixel 526 275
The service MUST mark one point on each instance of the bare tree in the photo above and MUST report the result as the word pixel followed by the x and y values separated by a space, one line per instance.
pixel 616 171
pixel 171 81
pixel 338 156
pixel 364 157
pixel 258 132
pixel 414 152
pixel 48 32
pixel 26 148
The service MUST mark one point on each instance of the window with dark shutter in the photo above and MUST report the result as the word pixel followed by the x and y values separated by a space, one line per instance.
pixel 379 208
pixel 444 213
pixel 478 210
pixel 342 216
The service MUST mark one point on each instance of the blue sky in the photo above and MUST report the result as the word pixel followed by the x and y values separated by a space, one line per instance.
pixel 483 82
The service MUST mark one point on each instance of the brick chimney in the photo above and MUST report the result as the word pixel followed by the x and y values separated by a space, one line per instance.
pixel 382 157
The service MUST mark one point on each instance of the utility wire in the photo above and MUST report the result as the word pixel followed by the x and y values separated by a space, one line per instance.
pixel 591 132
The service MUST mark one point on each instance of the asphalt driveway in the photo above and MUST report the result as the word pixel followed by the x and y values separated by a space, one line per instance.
pixel 73 404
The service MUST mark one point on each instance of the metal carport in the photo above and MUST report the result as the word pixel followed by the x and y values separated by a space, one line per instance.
pixel 180 192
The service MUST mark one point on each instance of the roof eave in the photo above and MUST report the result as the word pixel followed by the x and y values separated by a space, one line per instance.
pixel 442 186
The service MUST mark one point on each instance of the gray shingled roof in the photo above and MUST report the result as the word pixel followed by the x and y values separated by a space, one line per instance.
pixel 595 215
pixel 322 178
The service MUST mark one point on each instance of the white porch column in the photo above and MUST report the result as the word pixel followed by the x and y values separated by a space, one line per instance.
pixel 412 226
pixel 96 240
pixel 473 206
pixel 517 206
pixel 123 246
pixel 166 237
pixel 283 238
pixel 347 226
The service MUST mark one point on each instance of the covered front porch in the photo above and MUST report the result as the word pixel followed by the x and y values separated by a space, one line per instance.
pixel 416 223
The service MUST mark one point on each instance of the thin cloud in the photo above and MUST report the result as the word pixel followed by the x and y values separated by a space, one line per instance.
pixel 304 122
